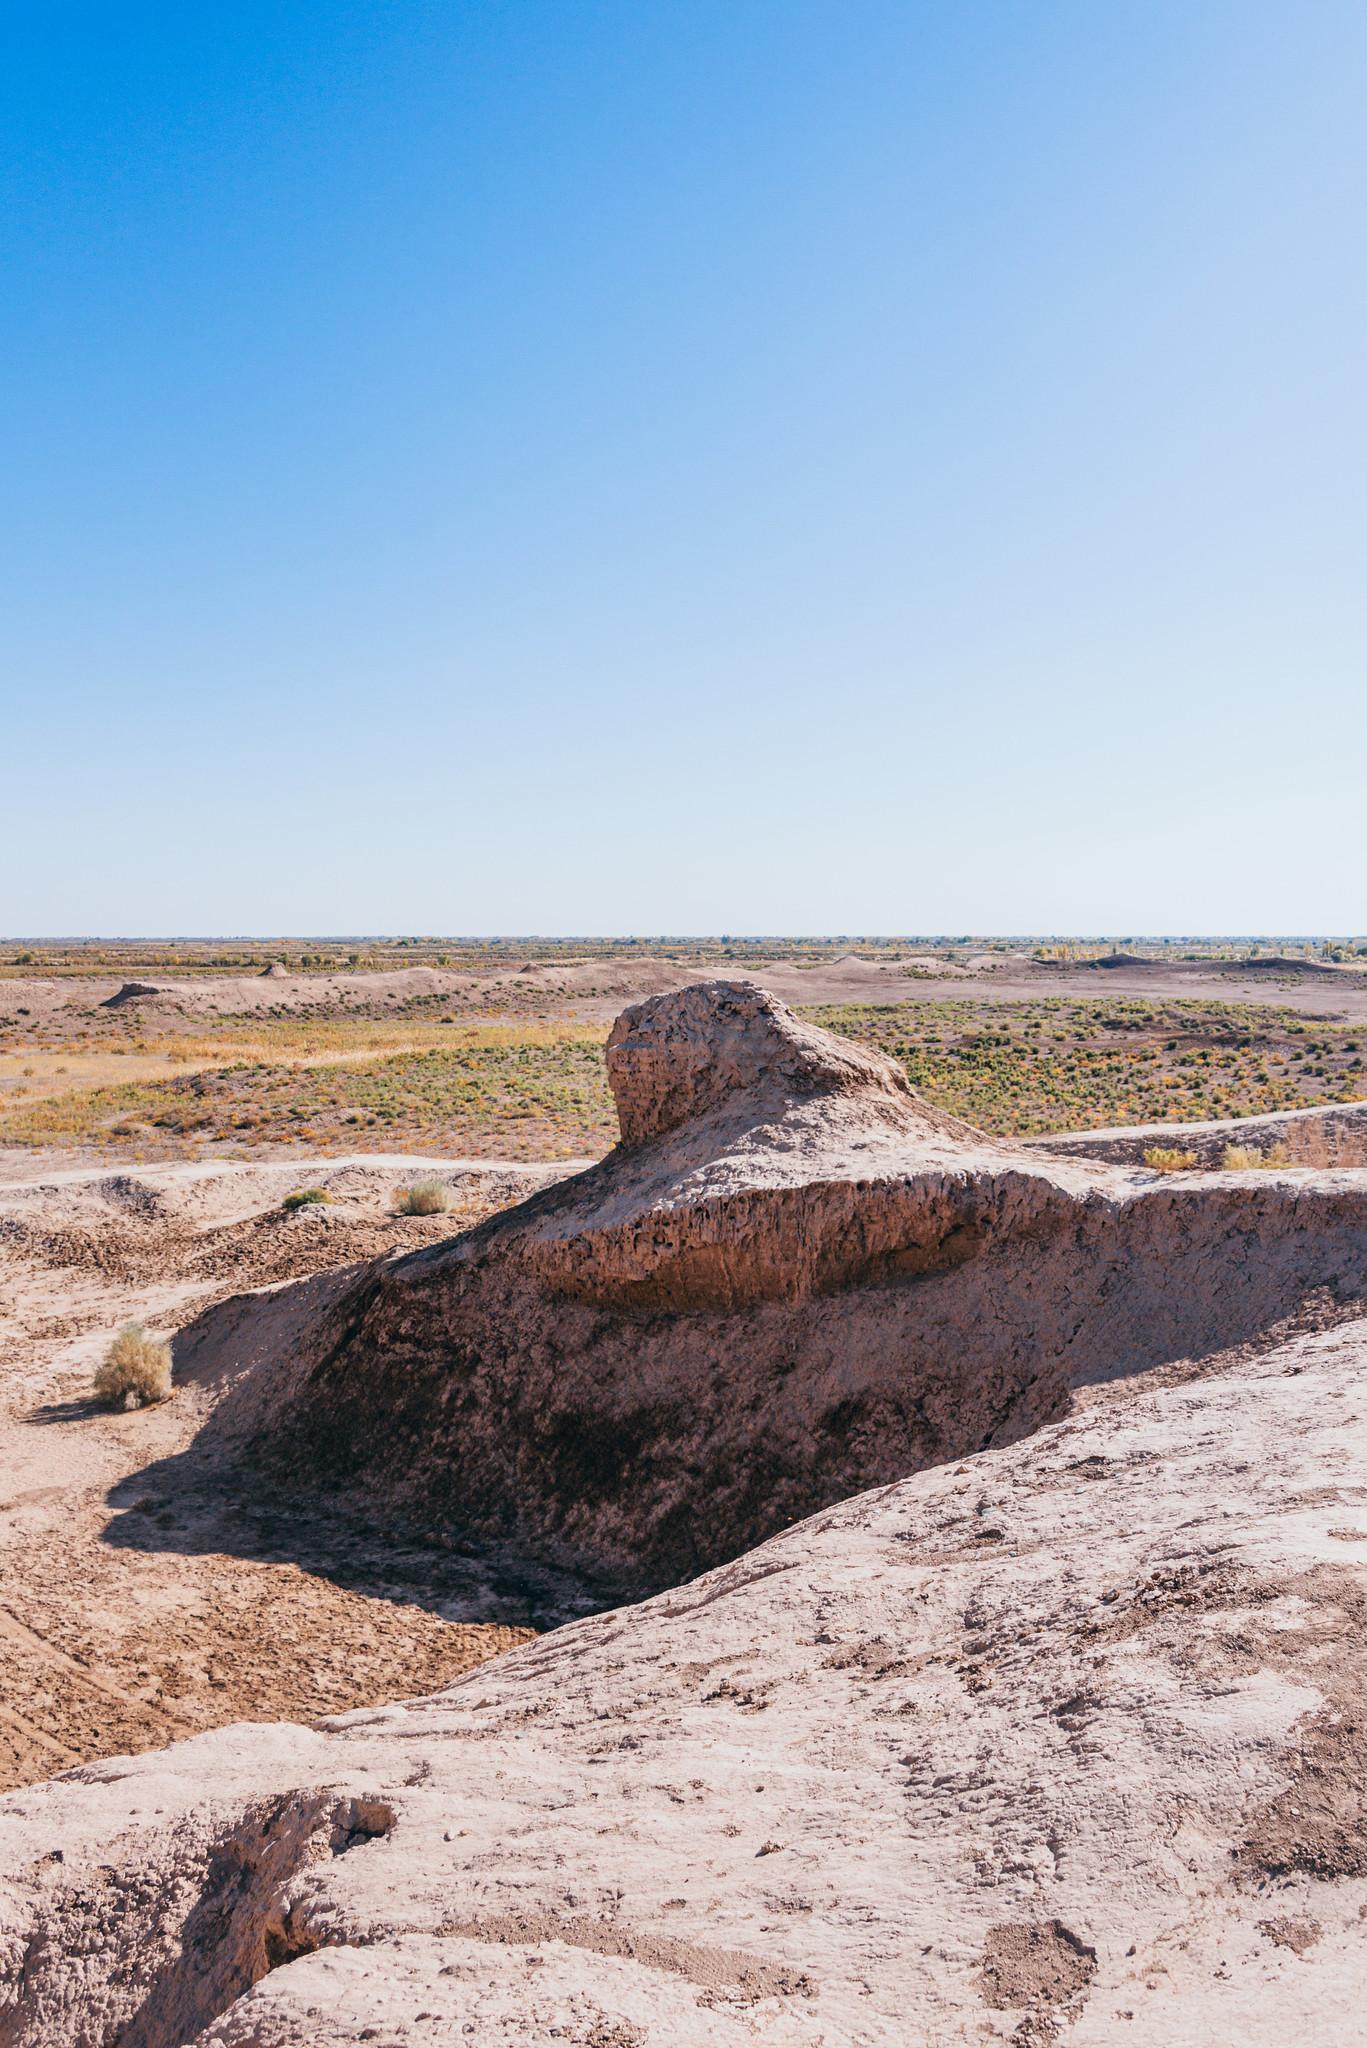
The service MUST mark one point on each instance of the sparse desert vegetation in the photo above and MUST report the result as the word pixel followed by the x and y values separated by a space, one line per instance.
pixel 535 1089
pixel 1168 1159
pixel 378 954
pixel 1024 1069
pixel 423 1198
pixel 259 1589
pixel 135 1372
pixel 516 1092
pixel 1249 1158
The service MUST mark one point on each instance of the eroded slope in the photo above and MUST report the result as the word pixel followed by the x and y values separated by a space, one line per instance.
pixel 791 1280
pixel 1060 1744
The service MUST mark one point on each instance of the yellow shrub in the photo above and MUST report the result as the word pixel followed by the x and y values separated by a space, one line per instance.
pixel 1165 1159
pixel 135 1371
pixel 424 1198
pixel 1241 1158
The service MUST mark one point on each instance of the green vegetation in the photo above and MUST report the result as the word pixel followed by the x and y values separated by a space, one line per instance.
pixel 532 1093
pixel 537 1090
pixel 304 1198
pixel 1024 1069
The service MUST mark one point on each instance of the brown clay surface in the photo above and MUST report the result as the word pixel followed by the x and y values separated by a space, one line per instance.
pixel 1059 1744
pixel 135 1610
pixel 598 988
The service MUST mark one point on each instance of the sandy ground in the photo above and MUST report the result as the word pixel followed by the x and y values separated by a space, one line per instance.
pixel 596 989
pixel 138 1602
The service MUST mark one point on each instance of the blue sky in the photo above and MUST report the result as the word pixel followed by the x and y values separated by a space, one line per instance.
pixel 681 465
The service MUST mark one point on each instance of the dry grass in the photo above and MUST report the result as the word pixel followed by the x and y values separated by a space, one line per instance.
pixel 135 1372
pixel 1167 1159
pixel 304 1198
pixel 1247 1158
pixel 423 1198
pixel 501 1092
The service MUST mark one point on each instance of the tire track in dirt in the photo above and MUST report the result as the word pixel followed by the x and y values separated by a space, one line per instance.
pixel 69 1708
pixel 71 1667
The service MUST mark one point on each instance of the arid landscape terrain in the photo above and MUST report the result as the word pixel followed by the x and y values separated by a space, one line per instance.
pixel 846 1527
pixel 683 1026
pixel 141 1054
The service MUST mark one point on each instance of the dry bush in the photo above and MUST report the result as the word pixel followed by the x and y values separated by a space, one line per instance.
pixel 424 1198
pixel 304 1198
pixel 1166 1159
pixel 135 1371
pixel 1240 1158
pixel 1243 1158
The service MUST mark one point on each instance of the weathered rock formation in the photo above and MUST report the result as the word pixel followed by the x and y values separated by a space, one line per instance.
pixel 1064 1743
pixel 791 1280
pixel 1059 1742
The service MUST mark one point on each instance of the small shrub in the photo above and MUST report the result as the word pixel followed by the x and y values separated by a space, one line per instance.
pixel 1166 1159
pixel 302 1198
pixel 424 1198
pixel 135 1371
pixel 1242 1158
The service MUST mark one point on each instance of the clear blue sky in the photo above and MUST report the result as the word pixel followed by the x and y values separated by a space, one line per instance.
pixel 677 465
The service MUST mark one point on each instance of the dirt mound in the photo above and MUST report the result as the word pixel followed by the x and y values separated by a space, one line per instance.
pixel 1281 963
pixel 1062 1744
pixel 132 991
pixel 791 1280
pixel 730 1045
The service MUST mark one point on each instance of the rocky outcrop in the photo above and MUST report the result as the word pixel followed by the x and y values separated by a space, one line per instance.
pixel 1063 1743
pixel 729 1046
pixel 792 1279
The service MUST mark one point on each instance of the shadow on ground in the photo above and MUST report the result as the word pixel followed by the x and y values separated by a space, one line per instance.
pixel 207 1500
pixel 193 1505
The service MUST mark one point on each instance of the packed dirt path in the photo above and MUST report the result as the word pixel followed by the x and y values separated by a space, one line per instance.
pixel 139 1602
